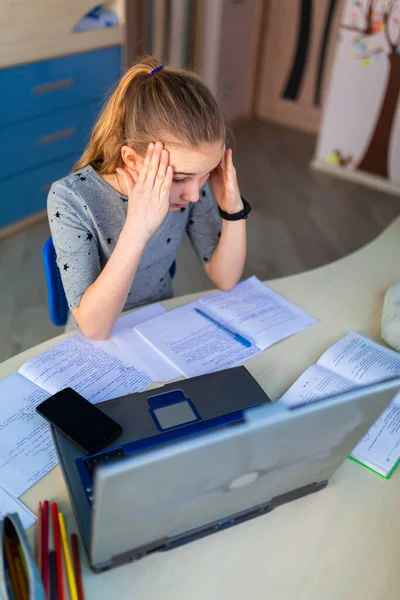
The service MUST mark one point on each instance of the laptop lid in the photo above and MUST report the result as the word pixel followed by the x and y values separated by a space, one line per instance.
pixel 175 493
pixel 216 398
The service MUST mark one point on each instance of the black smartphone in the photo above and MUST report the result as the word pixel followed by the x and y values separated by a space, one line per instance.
pixel 80 421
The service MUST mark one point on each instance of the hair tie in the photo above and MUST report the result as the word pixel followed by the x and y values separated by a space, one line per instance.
pixel 154 71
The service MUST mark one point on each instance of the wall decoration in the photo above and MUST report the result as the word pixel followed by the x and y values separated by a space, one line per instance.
pixel 362 116
pixel 298 38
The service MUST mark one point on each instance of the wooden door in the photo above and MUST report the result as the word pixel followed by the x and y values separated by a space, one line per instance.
pixel 297 44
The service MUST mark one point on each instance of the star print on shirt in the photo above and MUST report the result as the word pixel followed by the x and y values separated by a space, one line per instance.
pixel 78 174
pixel 82 178
pixel 57 215
pixel 203 193
pixel 124 199
pixel 89 236
pixel 168 240
pixel 66 266
pixel 183 209
pixel 109 240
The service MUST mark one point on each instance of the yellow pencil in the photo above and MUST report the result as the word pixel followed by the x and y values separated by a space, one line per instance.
pixel 67 555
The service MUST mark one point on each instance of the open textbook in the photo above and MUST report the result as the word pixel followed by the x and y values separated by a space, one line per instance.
pixel 223 329
pixel 352 362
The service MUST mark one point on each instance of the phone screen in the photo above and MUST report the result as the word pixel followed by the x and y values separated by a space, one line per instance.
pixel 82 422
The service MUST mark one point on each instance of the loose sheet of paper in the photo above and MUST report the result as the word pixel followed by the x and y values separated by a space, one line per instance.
pixel 9 504
pixel 27 451
pixel 380 447
pixel 76 362
pixel 361 360
pixel 256 312
pixel 136 349
pixel 316 382
pixel 192 343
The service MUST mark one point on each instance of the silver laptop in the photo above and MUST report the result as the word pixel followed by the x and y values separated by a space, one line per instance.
pixel 179 492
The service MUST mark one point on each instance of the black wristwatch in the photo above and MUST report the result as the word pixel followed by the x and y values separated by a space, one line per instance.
pixel 242 214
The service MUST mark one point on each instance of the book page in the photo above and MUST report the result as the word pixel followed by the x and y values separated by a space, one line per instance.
pixel 9 504
pixel 27 452
pixel 380 447
pixel 86 367
pixel 361 360
pixel 256 312
pixel 192 343
pixel 316 382
pixel 137 350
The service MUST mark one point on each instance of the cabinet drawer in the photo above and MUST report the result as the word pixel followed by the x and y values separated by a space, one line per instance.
pixel 31 143
pixel 51 85
pixel 25 194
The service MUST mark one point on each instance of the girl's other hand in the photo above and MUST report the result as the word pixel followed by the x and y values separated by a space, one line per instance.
pixel 224 185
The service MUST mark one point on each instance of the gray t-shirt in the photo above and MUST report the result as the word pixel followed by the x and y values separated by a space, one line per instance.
pixel 86 216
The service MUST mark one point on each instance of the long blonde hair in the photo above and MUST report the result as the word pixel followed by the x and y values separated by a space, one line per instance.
pixel 172 103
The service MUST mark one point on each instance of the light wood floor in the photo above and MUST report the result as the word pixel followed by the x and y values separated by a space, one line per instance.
pixel 301 219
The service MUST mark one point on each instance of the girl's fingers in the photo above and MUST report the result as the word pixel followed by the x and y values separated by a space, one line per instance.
pixel 162 168
pixel 145 166
pixel 230 169
pixel 166 185
pixel 128 179
pixel 153 165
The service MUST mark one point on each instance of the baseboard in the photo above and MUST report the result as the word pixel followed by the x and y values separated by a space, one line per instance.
pixel 372 181
pixel 23 224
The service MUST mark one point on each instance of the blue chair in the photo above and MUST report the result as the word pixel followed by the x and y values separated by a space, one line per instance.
pixel 58 305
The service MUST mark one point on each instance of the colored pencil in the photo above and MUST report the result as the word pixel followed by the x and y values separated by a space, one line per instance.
pixel 67 556
pixel 77 566
pixel 53 575
pixel 39 537
pixel 57 548
pixel 12 567
pixel 45 548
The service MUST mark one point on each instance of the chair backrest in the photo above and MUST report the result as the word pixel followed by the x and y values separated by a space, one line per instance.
pixel 58 306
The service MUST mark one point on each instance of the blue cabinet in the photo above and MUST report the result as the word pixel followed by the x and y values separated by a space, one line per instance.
pixel 47 110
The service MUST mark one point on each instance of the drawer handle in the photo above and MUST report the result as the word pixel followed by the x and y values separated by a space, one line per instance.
pixel 45 88
pixel 58 135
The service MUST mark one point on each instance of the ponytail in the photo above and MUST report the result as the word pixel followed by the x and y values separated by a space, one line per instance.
pixel 171 104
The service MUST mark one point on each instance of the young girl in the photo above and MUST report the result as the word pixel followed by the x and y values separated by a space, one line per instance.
pixel 155 162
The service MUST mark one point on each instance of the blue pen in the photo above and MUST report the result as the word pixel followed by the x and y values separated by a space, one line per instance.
pixel 239 338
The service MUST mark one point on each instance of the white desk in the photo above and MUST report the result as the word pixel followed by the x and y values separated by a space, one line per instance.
pixel 342 543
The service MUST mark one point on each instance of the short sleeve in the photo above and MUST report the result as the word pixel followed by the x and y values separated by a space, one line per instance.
pixel 74 241
pixel 204 225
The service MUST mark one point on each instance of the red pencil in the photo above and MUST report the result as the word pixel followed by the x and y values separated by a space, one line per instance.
pixel 39 537
pixel 45 547
pixel 77 566
pixel 57 547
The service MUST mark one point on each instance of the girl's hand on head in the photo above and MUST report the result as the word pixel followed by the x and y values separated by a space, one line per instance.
pixel 224 185
pixel 148 197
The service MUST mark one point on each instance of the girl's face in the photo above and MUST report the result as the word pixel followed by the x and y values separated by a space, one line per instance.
pixel 192 167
